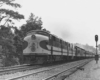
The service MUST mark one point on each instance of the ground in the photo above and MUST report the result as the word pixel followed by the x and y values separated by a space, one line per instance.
pixel 91 72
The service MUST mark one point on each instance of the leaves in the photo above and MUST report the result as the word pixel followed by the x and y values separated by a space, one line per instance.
pixel 7 43
pixel 11 13
pixel 9 2
pixel 13 4
pixel 34 20
pixel 33 23
pixel 2 17
pixel 10 47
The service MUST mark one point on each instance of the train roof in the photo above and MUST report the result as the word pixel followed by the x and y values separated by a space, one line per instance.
pixel 41 32
pixel 38 31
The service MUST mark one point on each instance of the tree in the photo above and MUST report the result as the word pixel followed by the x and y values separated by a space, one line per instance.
pixel 8 15
pixel 33 23
pixel 8 49
pixel 7 41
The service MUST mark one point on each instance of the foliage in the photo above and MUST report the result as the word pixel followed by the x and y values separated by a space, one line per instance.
pixel 18 43
pixel 7 14
pixel 10 3
pixel 8 49
pixel 33 23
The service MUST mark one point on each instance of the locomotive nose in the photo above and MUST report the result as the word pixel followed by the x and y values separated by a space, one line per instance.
pixel 33 47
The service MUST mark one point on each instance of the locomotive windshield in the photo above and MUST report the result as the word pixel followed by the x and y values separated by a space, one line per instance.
pixel 42 33
pixel 25 44
pixel 39 32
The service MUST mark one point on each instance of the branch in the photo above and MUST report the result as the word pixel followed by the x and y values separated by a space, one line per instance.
pixel 9 2
pixel 14 15
pixel 5 1
pixel 14 4
pixel 1 4
pixel 7 20
pixel 2 18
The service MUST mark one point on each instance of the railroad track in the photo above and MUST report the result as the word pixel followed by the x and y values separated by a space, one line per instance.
pixel 64 74
pixel 12 66
pixel 20 68
pixel 14 69
pixel 51 73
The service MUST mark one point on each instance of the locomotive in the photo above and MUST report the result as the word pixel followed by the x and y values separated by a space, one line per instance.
pixel 43 47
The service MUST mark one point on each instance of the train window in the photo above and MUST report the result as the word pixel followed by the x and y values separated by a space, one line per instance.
pixel 53 38
pixel 50 37
pixel 57 39
pixel 69 45
pixel 66 44
pixel 61 41
pixel 25 44
pixel 47 42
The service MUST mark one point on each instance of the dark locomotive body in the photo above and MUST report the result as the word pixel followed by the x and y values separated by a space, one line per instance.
pixel 43 47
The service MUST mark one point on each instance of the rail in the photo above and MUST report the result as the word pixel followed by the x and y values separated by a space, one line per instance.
pixel 17 69
pixel 36 73
pixel 75 67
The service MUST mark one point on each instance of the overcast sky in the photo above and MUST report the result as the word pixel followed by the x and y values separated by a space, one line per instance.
pixel 76 21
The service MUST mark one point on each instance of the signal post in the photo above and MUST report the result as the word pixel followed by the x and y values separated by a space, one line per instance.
pixel 96 55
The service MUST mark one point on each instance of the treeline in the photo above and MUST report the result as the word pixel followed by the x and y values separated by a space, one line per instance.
pixel 11 38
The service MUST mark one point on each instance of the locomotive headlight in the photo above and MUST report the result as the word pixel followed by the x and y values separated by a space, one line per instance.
pixel 33 37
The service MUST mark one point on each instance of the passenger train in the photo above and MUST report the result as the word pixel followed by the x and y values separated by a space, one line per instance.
pixel 43 47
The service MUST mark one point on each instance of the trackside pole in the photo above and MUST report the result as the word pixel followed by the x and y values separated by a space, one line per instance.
pixel 96 56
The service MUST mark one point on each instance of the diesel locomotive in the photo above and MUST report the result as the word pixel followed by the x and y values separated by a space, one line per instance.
pixel 43 47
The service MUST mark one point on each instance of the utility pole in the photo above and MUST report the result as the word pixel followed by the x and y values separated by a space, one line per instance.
pixel 96 56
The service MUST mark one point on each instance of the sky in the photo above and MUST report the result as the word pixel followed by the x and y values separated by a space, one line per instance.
pixel 76 21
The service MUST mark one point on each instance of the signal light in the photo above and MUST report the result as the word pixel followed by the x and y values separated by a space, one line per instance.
pixel 33 37
pixel 96 38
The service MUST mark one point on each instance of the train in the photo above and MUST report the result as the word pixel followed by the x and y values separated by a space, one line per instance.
pixel 43 47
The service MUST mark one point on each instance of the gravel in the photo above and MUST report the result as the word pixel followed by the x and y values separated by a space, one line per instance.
pixel 91 72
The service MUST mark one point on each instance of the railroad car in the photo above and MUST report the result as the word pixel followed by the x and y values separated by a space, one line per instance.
pixel 43 47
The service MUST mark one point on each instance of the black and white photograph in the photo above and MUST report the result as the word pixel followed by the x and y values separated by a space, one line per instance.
pixel 49 39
